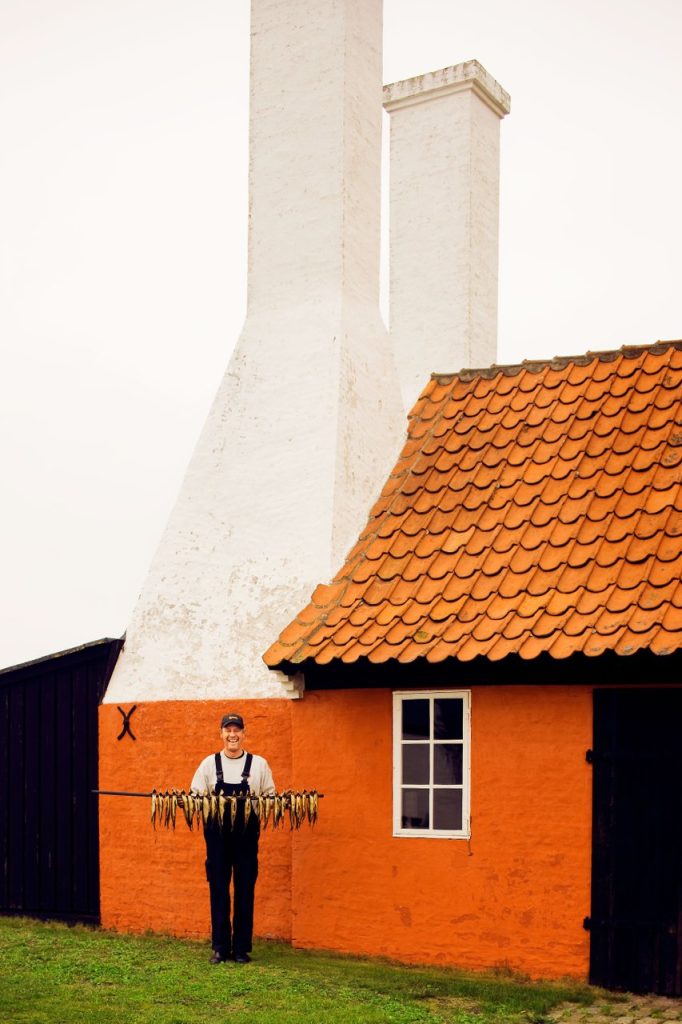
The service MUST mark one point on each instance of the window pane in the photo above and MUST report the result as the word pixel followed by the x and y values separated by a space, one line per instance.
pixel 447 764
pixel 416 764
pixel 448 724
pixel 447 808
pixel 415 808
pixel 415 719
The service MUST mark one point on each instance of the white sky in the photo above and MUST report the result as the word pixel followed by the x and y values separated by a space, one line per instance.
pixel 123 197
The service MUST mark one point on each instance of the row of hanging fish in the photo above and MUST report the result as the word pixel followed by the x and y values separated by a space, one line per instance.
pixel 218 809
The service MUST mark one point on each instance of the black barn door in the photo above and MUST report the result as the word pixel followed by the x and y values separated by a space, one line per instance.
pixel 49 843
pixel 636 918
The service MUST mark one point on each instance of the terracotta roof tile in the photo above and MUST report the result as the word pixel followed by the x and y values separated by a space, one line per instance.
pixel 402 592
pixel 669 595
pixel 426 591
pixel 522 559
pixel 534 509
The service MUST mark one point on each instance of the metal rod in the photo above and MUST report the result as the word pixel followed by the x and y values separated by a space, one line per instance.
pixel 118 792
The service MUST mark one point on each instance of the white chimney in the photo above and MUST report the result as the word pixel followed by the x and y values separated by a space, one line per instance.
pixel 444 213
pixel 308 417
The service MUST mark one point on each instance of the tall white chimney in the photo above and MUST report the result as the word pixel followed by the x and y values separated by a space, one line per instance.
pixel 308 417
pixel 444 213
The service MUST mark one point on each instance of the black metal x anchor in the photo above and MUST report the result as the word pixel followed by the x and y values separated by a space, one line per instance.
pixel 126 722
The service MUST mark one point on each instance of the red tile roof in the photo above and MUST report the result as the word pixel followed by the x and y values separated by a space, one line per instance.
pixel 534 508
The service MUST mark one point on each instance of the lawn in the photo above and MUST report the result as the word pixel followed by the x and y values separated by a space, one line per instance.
pixel 59 975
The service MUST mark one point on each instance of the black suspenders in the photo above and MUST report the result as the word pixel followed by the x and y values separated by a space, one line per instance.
pixel 245 773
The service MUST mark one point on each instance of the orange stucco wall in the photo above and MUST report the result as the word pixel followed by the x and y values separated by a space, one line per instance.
pixel 515 894
pixel 156 879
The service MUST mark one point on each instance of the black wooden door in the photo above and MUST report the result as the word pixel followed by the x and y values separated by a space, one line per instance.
pixel 636 917
pixel 49 843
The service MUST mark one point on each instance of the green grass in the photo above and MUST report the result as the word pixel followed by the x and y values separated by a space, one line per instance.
pixel 59 975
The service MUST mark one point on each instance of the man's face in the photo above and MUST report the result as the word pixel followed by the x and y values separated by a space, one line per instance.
pixel 232 737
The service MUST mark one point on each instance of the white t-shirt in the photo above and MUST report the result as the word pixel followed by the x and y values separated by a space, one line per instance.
pixel 260 776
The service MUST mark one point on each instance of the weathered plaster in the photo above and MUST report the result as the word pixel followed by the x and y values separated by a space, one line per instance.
pixel 308 418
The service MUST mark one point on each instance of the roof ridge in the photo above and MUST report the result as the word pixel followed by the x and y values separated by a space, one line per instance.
pixel 556 362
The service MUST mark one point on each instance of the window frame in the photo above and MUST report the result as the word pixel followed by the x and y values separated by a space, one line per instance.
pixel 421 833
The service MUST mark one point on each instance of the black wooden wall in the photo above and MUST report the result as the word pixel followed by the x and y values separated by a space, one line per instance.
pixel 49 842
pixel 636 919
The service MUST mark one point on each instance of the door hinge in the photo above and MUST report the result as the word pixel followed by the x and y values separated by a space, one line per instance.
pixel 587 924
pixel 589 756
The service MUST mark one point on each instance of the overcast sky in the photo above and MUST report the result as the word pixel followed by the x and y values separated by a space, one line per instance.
pixel 123 198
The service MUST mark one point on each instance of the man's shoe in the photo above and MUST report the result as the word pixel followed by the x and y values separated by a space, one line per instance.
pixel 242 958
pixel 218 958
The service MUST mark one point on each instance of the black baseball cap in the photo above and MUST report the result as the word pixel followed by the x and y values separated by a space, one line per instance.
pixel 232 719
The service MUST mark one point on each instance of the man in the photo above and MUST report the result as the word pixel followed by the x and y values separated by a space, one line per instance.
pixel 232 849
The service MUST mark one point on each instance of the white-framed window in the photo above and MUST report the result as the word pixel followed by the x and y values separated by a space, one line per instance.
pixel 431 764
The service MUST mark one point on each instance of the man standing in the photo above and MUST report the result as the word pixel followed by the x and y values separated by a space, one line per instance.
pixel 232 848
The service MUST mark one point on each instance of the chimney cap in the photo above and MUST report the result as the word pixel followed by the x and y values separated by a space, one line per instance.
pixel 470 74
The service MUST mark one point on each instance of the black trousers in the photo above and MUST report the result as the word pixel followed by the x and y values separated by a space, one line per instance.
pixel 232 855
